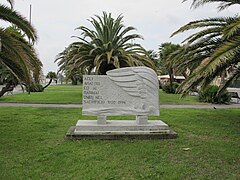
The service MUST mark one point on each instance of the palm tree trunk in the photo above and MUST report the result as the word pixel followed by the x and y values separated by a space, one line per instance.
pixel 6 89
pixel 3 91
pixel 74 81
pixel 171 79
pixel 48 84
pixel 223 75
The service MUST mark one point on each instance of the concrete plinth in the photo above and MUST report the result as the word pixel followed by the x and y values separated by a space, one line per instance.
pixel 120 129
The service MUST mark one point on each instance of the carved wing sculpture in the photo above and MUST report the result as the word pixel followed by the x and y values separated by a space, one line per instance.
pixel 140 82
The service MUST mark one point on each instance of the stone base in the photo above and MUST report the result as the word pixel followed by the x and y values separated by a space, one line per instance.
pixel 120 129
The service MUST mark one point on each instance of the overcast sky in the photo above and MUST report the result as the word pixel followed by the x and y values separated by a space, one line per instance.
pixel 155 20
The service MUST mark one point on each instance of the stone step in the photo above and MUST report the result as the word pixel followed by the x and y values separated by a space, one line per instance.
pixel 120 125
pixel 120 129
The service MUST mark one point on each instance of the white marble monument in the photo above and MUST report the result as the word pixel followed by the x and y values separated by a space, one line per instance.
pixel 124 91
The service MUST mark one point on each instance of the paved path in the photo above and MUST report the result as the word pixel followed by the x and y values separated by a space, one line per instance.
pixel 161 106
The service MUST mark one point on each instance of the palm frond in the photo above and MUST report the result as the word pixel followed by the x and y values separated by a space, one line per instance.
pixel 223 4
pixel 234 76
pixel 108 44
pixel 11 16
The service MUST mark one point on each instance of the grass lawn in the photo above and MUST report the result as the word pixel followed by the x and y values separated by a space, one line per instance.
pixel 176 99
pixel 64 88
pixel 58 97
pixel 73 94
pixel 33 147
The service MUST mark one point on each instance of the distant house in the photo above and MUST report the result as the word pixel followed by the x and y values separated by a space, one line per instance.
pixel 165 78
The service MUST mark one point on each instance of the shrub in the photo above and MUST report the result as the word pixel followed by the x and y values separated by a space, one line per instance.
pixel 160 85
pixel 36 88
pixel 210 95
pixel 170 89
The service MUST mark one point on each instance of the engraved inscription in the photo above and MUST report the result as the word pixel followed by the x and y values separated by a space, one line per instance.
pixel 92 95
pixel 91 91
pixel 124 91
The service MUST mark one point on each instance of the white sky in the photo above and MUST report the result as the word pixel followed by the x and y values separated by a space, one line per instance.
pixel 155 20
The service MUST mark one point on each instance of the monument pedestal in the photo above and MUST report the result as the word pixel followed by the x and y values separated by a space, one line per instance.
pixel 120 129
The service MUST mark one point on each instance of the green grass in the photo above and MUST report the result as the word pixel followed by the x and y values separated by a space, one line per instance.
pixel 33 147
pixel 64 88
pixel 73 94
pixel 66 97
pixel 176 99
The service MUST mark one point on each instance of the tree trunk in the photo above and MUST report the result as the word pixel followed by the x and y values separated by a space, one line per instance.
pixel 5 89
pixel 48 84
pixel 171 79
pixel 223 75
pixel 105 67
pixel 74 81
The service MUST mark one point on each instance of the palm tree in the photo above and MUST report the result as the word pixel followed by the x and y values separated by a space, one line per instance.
pixel 9 15
pixel 71 71
pixel 108 46
pixel 50 75
pixel 17 55
pixel 223 3
pixel 215 48
pixel 165 50
pixel 154 56
pixel 7 78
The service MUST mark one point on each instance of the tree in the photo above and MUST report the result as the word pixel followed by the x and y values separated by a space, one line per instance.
pixel 154 56
pixel 9 15
pixel 17 55
pixel 216 47
pixel 6 76
pixel 107 46
pixel 223 4
pixel 71 71
pixel 165 50
pixel 50 75
pixel 8 79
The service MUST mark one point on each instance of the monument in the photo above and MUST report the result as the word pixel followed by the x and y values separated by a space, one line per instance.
pixel 124 91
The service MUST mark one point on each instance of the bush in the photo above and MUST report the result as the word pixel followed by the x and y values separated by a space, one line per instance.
pixel 210 95
pixel 170 89
pixel 160 85
pixel 35 88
